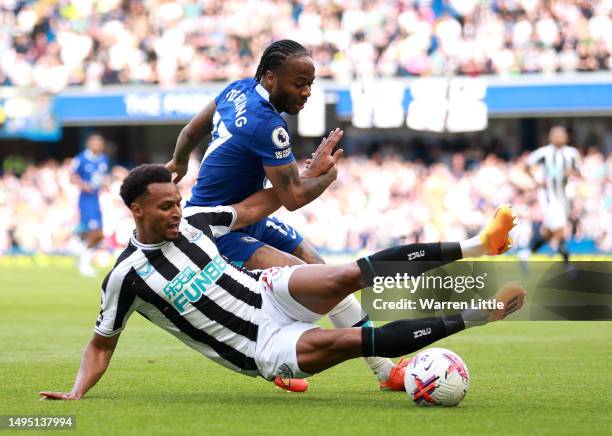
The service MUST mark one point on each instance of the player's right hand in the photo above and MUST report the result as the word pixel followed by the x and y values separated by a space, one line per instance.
pixel 178 170
pixel 86 187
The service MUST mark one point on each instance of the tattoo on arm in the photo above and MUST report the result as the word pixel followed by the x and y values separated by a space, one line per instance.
pixel 289 176
pixel 295 191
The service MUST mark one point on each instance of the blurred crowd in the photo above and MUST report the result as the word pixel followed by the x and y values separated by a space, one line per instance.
pixel 376 202
pixel 52 44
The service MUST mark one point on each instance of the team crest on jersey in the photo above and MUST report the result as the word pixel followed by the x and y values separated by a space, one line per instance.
pixel 280 137
pixel 192 234
pixel 145 271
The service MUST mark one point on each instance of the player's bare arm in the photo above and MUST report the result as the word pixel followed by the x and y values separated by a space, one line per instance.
pixel 192 134
pixel 295 190
pixel 530 171
pixel 82 184
pixel 255 208
pixel 574 169
pixel 95 360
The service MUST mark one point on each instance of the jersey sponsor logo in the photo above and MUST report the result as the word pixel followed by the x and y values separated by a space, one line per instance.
pixel 189 285
pixel 283 154
pixel 240 100
pixel 280 137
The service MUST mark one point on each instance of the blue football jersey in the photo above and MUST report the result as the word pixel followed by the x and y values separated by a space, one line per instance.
pixel 91 168
pixel 248 134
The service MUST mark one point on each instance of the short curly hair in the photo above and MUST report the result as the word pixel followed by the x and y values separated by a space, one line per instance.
pixel 139 179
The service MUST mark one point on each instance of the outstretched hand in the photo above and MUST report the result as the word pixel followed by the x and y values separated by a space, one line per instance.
pixel 46 395
pixel 322 159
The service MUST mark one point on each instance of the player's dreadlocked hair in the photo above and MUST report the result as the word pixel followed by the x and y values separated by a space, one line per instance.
pixel 277 54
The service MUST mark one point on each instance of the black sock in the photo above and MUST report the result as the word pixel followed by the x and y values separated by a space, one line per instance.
pixel 563 251
pixel 429 256
pixel 406 336
pixel 537 243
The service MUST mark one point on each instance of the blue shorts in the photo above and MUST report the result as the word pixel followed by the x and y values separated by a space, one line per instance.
pixel 240 245
pixel 91 217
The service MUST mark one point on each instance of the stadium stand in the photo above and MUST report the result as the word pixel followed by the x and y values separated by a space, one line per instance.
pixel 52 44
pixel 361 211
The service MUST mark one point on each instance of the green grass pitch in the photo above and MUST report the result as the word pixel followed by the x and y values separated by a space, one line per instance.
pixel 526 377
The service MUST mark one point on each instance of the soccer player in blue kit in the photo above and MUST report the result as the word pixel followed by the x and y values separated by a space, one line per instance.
pixel 88 172
pixel 249 144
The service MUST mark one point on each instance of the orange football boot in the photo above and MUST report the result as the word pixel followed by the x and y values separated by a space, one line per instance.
pixel 291 384
pixel 395 382
pixel 495 235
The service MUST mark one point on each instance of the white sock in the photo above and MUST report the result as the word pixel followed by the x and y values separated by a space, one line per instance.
pixel 524 254
pixel 85 259
pixel 473 247
pixel 347 314
pixel 82 249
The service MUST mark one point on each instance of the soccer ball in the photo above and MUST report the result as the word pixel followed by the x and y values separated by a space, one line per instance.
pixel 436 377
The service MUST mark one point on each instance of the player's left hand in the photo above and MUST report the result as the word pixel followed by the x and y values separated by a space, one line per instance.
pixel 47 395
pixel 336 157
pixel 322 159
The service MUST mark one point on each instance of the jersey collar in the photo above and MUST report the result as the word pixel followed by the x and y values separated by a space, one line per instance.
pixel 142 246
pixel 90 156
pixel 262 91
pixel 264 94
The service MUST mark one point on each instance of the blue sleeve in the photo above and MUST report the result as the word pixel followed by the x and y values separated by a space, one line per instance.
pixel 76 165
pixel 271 142
pixel 223 93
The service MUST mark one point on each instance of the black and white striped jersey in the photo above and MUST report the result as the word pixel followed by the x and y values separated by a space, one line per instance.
pixel 186 287
pixel 554 163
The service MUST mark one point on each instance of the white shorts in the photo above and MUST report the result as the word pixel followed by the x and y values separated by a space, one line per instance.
pixel 554 215
pixel 282 323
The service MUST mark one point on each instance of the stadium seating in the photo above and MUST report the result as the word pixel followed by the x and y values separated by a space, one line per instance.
pixel 55 44
pixel 374 204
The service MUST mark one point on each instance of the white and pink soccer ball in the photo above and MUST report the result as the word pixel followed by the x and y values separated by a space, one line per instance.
pixel 436 377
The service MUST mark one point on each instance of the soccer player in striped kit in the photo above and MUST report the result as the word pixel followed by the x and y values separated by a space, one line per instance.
pixel 557 162
pixel 258 323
